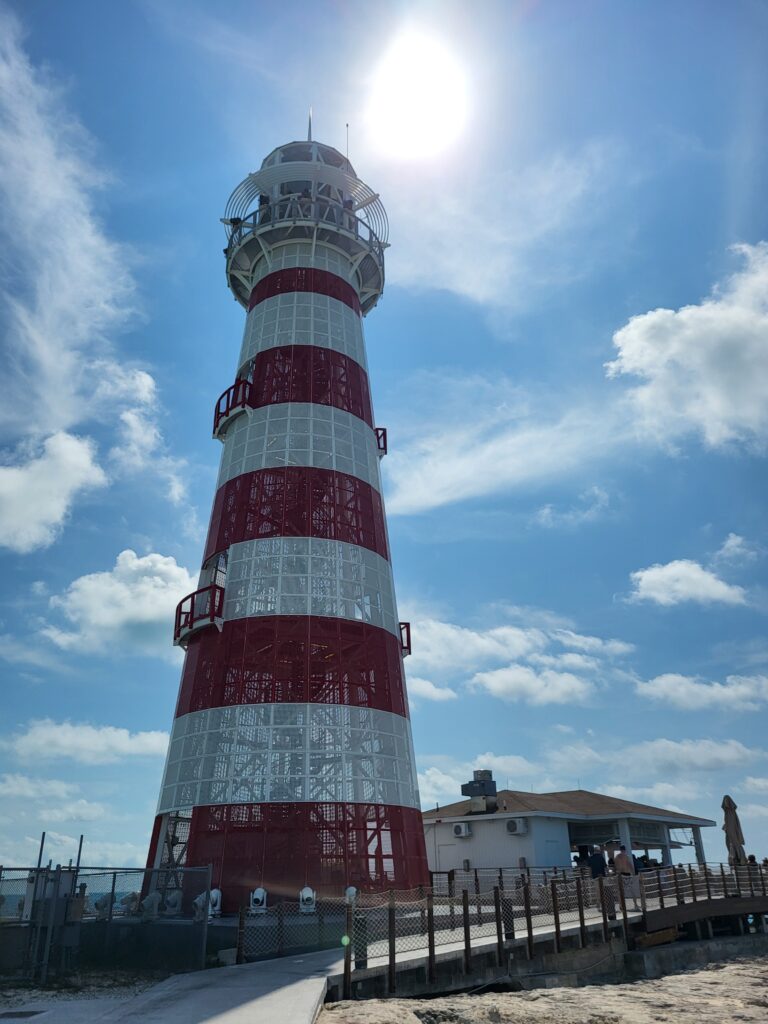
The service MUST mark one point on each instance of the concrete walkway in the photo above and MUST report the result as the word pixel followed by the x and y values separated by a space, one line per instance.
pixel 286 991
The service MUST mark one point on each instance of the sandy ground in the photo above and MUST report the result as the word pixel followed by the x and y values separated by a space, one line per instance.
pixel 717 994
pixel 109 985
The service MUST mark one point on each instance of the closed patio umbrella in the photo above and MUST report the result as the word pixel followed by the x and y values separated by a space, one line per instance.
pixel 734 837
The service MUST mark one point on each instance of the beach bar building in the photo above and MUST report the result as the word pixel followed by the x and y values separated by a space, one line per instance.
pixel 511 828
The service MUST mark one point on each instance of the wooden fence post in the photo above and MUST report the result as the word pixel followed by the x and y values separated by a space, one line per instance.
pixel 240 951
pixel 499 926
pixel 430 939
pixel 556 915
pixel 678 894
pixel 603 908
pixel 391 924
pixel 528 917
pixel 623 904
pixel 582 922
pixel 705 869
pixel 643 900
pixel 467 936
pixel 478 900
pixel 692 877
pixel 724 880
pixel 451 894
pixel 661 888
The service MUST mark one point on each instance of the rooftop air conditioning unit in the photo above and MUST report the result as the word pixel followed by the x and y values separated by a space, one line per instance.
pixel 517 826
pixel 462 830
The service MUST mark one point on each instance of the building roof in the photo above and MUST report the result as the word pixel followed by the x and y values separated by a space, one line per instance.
pixel 574 802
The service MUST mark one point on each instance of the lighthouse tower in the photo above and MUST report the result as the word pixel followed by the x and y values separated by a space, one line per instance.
pixel 291 761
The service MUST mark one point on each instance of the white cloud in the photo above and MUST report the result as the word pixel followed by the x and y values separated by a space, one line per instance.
pixel 37 493
pixel 47 740
pixel 675 757
pixel 661 794
pixel 736 550
pixel 426 690
pixel 23 787
pixel 683 580
pixel 485 438
pixel 16 651
pixel 755 784
pixel 130 607
pixel 704 367
pixel 74 810
pixel 443 646
pixel 592 644
pixel 63 300
pixel 515 662
pixel 503 257
pixel 591 505
pixel 753 810
pixel 737 693
pixel 60 848
pixel 522 683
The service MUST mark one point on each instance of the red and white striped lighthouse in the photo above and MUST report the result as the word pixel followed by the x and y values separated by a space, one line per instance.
pixel 291 760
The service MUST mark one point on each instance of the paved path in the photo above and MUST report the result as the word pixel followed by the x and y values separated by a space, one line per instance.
pixel 286 991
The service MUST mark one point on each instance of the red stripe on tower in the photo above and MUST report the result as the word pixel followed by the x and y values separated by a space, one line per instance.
pixel 305 279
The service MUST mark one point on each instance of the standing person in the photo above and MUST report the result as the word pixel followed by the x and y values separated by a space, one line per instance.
pixel 624 866
pixel 598 869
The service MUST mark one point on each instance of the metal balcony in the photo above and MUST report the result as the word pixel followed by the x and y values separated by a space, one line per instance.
pixel 235 400
pixel 314 219
pixel 204 607
pixel 405 638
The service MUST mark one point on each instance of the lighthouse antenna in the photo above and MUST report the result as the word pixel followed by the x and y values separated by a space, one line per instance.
pixel 309 127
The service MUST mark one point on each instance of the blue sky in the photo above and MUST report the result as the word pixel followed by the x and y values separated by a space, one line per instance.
pixel 571 358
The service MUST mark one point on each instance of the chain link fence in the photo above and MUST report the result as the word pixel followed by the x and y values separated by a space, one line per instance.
pixel 65 920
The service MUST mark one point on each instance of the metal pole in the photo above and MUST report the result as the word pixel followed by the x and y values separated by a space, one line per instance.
pixel 347 983
pixel 467 938
pixel 582 922
pixel 112 896
pixel 604 909
pixel 499 928
pixel 391 980
pixel 280 928
pixel 204 943
pixel 240 952
pixel 430 939
pixel 49 929
pixel 40 852
pixel 477 899
pixel 528 917
pixel 556 915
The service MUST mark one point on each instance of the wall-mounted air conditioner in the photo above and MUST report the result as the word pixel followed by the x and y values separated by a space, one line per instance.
pixel 517 826
pixel 462 830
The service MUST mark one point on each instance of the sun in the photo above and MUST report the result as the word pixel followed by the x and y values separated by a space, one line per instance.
pixel 419 98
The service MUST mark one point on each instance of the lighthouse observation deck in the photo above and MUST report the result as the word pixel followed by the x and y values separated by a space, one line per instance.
pixel 305 191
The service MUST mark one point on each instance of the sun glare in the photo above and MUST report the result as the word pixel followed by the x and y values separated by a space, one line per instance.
pixel 418 103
